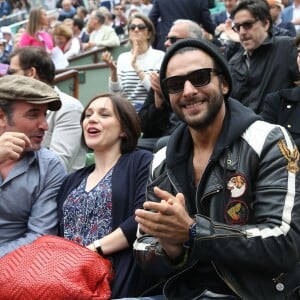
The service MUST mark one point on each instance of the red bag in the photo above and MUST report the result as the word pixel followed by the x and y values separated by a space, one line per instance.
pixel 54 268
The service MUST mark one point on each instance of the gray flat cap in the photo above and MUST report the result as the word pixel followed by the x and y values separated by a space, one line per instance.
pixel 22 88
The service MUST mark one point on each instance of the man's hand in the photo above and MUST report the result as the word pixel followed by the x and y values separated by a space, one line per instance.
pixel 12 145
pixel 168 221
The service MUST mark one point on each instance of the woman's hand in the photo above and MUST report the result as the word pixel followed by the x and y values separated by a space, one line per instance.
pixel 108 59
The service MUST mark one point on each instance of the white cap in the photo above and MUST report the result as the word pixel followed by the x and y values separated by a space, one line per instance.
pixel 6 29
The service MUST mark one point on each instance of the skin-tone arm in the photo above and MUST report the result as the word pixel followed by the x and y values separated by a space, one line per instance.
pixel 134 54
pixel 154 78
pixel 108 59
pixel 12 145
pixel 167 220
pixel 231 34
pixel 112 243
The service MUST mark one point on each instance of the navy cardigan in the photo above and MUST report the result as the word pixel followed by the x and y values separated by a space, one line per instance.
pixel 129 180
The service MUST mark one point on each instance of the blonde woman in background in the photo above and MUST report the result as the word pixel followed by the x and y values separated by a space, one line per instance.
pixel 35 34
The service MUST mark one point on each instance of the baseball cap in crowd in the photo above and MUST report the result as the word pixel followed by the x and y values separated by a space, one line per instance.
pixel 275 3
pixel 6 29
pixel 22 88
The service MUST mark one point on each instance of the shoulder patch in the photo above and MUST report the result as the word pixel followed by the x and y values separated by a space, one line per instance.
pixel 292 156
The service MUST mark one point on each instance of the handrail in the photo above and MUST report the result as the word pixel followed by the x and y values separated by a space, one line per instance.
pixel 69 74
pixel 100 65
pixel 95 52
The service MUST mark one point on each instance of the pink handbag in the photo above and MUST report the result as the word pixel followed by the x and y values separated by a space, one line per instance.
pixel 54 268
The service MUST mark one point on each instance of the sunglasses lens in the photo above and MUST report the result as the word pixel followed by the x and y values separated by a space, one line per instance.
pixel 198 78
pixel 174 84
pixel 138 26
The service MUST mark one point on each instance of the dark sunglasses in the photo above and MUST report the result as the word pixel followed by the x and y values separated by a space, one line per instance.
pixel 138 26
pixel 173 39
pixel 198 78
pixel 246 25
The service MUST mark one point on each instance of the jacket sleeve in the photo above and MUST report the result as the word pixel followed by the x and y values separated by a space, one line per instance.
pixel 270 108
pixel 272 234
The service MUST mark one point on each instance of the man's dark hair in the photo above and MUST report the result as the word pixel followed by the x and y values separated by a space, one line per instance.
pixel 7 107
pixel 78 22
pixel 259 9
pixel 38 58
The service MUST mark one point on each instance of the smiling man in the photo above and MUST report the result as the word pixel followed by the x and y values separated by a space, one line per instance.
pixel 216 223
pixel 264 63
pixel 29 175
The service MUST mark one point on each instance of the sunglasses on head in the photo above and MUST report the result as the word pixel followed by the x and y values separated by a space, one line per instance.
pixel 198 78
pixel 173 39
pixel 138 26
pixel 246 25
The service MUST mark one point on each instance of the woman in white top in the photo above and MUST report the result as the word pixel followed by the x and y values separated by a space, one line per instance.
pixel 64 39
pixel 131 74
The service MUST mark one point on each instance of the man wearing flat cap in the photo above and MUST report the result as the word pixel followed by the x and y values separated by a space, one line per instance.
pixel 30 175
pixel 222 215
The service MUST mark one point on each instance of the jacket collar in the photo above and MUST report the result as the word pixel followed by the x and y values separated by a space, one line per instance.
pixel 292 94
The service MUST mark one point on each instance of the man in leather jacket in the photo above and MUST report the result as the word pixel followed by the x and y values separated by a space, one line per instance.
pixel 222 216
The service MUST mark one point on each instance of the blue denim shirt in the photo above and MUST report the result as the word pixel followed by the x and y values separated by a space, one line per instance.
pixel 28 208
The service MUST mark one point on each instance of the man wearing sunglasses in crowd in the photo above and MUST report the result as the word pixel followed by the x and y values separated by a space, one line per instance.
pixel 222 215
pixel 265 63
pixel 156 116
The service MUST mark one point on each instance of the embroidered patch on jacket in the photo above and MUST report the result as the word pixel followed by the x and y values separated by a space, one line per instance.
pixel 291 156
pixel 236 185
pixel 237 212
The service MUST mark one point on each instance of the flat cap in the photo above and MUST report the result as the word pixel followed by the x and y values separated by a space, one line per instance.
pixel 22 88
pixel 204 45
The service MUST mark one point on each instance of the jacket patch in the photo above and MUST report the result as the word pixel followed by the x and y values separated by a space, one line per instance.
pixel 236 185
pixel 237 212
pixel 291 156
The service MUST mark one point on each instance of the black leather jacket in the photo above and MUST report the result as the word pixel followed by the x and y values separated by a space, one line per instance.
pixel 248 210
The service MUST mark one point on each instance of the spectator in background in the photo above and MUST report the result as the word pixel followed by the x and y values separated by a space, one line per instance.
pixel 276 8
pixel 79 31
pixel 291 14
pixel 97 203
pixel 5 8
pixel 82 13
pixel 101 35
pixel 220 18
pixel 163 15
pixel 64 130
pixel 64 39
pixel 131 74
pixel 68 10
pixel 255 67
pixel 30 174
pixel 35 34
pixel 283 107
pixel 8 44
pixel 120 20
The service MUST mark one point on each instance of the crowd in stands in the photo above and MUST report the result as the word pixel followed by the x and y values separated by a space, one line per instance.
pixel 172 109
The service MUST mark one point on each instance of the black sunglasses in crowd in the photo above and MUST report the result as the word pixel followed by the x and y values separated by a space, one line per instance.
pixel 198 78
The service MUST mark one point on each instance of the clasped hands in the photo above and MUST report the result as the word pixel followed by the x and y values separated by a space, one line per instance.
pixel 167 220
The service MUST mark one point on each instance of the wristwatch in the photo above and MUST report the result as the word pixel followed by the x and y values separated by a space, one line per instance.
pixel 98 248
pixel 192 235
